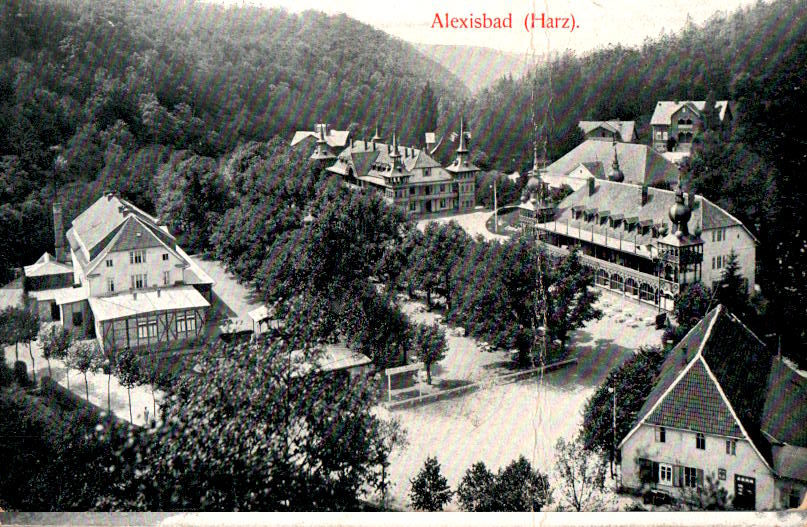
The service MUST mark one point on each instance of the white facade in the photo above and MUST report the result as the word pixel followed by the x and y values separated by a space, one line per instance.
pixel 680 448
pixel 718 245
pixel 157 267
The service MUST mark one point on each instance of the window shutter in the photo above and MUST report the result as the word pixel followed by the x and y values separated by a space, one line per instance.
pixel 699 473
pixel 655 472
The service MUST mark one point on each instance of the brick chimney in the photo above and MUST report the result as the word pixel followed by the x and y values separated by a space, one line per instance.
pixel 58 233
pixel 591 186
pixel 644 195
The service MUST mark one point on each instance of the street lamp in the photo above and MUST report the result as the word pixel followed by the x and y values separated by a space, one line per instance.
pixel 612 390
pixel 495 209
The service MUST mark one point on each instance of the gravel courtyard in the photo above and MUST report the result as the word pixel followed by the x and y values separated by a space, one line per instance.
pixel 498 423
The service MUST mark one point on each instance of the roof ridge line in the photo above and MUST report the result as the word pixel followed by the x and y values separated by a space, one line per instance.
pixel 733 413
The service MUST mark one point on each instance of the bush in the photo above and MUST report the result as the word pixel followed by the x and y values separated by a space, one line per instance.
pixel 21 374
pixel 6 375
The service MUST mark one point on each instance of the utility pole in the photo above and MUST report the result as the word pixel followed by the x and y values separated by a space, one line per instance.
pixel 495 209
pixel 612 390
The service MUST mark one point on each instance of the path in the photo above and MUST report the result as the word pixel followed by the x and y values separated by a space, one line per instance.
pixel 499 423
pixel 473 223
pixel 142 401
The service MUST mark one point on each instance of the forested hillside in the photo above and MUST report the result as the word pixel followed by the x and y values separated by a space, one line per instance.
pixel 110 90
pixel 478 67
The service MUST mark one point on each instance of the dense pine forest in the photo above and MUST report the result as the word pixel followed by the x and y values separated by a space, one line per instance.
pixel 160 99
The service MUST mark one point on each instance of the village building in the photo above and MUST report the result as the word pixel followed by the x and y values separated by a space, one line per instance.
pixel 406 176
pixel 127 282
pixel 335 139
pixel 674 123
pixel 724 409
pixel 642 242
pixel 613 130
pixel 635 163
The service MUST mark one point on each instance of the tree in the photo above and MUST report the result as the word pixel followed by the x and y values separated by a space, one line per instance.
pixel 55 341
pixel 523 298
pixel 521 488
pixel 24 329
pixel 85 357
pixel 691 304
pixel 127 370
pixel 581 476
pixel 430 490
pixel 475 491
pixel 313 442
pixel 732 290
pixel 429 344
pixel 428 113
pixel 392 436
pixel 442 248
pixel 633 381
pixel 690 307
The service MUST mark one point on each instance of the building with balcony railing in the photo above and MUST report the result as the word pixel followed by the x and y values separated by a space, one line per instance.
pixel 674 123
pixel 405 176
pixel 642 242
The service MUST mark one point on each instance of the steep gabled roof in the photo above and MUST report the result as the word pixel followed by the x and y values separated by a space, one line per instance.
pixel 640 164
pixel 98 224
pixel 626 129
pixel 334 138
pixel 714 381
pixel 784 417
pixel 665 109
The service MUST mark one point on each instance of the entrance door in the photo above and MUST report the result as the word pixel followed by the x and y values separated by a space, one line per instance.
pixel 744 493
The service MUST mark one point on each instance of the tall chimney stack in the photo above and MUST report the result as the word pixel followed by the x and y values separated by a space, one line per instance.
pixel 58 232
pixel 644 195
pixel 591 186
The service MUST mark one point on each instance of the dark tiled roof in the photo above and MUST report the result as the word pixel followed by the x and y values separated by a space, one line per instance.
pixel 625 199
pixel 135 235
pixel 785 415
pixel 640 164
pixel 695 404
pixel 595 167
pixel 675 363
pixel 740 364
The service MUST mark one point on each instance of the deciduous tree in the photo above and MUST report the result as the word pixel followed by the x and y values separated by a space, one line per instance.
pixel 55 341
pixel 429 344
pixel 430 490
pixel 580 478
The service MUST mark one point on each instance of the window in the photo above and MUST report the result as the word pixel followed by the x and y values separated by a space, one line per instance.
pixel 731 447
pixel 109 262
pixel 721 474
pixel 700 441
pixel 186 322
pixel 165 257
pixel 690 477
pixel 166 277
pixel 137 257
pixel 442 203
pixel 139 281
pixel 664 135
pixel 78 318
pixel 442 188
pixel 147 328
pixel 665 474
pixel 713 261
pixel 661 435
pixel 110 285
pixel 412 206
pixel 412 191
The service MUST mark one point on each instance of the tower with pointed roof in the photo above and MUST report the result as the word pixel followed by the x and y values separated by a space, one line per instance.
pixel 322 152
pixel 464 173
pixel 616 174
pixel 680 253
